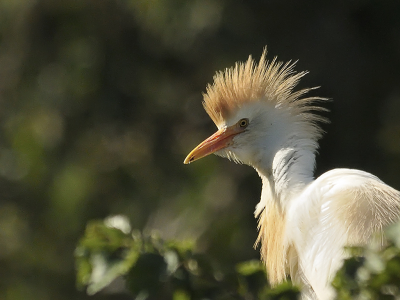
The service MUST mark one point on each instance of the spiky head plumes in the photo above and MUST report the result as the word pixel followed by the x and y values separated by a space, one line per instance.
pixel 277 117
pixel 249 82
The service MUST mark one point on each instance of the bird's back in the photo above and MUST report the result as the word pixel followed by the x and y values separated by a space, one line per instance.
pixel 343 207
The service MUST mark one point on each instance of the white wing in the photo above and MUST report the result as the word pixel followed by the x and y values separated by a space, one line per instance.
pixel 342 207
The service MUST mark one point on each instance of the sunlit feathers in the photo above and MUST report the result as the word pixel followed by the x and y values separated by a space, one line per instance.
pixel 266 81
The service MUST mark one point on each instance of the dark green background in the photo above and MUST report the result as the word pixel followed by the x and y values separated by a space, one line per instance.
pixel 100 101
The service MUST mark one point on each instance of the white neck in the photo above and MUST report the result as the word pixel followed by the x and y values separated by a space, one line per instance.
pixel 289 170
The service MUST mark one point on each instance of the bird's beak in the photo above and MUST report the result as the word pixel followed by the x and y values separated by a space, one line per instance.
pixel 219 140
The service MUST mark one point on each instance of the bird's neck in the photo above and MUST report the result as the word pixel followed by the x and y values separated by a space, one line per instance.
pixel 289 170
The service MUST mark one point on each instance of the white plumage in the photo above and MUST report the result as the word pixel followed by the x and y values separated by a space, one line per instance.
pixel 304 224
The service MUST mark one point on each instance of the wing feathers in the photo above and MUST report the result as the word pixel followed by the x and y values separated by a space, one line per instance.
pixel 342 207
pixel 361 202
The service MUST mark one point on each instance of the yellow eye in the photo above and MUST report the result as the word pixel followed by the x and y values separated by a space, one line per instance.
pixel 244 123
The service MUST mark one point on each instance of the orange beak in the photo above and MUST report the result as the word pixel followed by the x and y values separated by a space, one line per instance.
pixel 219 140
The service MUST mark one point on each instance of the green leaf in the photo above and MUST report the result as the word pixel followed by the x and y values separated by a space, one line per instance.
pixel 249 267
pixel 181 295
pixel 103 254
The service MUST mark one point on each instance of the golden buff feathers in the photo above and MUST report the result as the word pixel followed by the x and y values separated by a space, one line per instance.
pixel 266 81
pixel 271 235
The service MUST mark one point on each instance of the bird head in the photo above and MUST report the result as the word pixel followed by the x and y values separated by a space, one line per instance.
pixel 256 112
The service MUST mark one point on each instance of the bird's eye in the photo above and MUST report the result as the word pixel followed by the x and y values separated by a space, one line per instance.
pixel 244 123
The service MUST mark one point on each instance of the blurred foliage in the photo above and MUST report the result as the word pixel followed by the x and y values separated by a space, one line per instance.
pixel 156 269
pixel 372 272
pixel 100 101
pixel 152 268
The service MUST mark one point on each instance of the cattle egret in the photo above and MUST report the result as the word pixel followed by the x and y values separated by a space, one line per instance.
pixel 304 223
